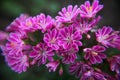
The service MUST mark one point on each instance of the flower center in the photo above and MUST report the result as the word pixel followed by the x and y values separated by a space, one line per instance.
pixel 68 15
pixel 89 9
pixel 94 53
pixel 53 41
pixel 28 23
pixel 88 73
pixel 43 52
pixel 102 38
pixel 12 44
pixel 69 38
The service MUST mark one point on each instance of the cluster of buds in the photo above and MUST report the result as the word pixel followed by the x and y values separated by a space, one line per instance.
pixel 72 38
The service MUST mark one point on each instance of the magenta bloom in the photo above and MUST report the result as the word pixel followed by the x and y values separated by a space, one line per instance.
pixel 69 55
pixel 45 22
pixel 15 25
pixel 85 72
pixel 107 37
pixel 92 75
pixel 52 65
pixel 68 37
pixel 51 38
pixel 79 68
pixel 15 44
pixel 68 15
pixel 82 26
pixel 116 41
pixel 41 52
pixel 29 25
pixel 89 11
pixel 18 63
pixel 95 54
pixel 115 63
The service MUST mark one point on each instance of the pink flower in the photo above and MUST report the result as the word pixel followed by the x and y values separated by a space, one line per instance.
pixel 116 42
pixel 85 72
pixel 51 38
pixel 41 52
pixel 15 44
pixel 68 15
pixel 29 25
pixel 52 65
pixel 68 55
pixel 15 25
pixel 18 63
pixel 95 54
pixel 107 37
pixel 89 11
pixel 82 26
pixel 115 63
pixel 45 22
pixel 79 68
pixel 68 37
pixel 92 75
pixel 15 52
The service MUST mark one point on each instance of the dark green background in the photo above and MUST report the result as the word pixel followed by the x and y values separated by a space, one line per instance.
pixel 10 9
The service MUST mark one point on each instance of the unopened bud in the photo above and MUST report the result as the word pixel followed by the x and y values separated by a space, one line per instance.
pixel 61 71
pixel 88 36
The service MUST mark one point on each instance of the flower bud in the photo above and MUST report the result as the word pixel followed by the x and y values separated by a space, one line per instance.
pixel 60 71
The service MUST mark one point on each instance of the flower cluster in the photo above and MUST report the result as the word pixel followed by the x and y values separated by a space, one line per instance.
pixel 39 39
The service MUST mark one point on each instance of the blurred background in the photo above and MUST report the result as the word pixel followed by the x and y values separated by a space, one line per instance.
pixel 10 9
